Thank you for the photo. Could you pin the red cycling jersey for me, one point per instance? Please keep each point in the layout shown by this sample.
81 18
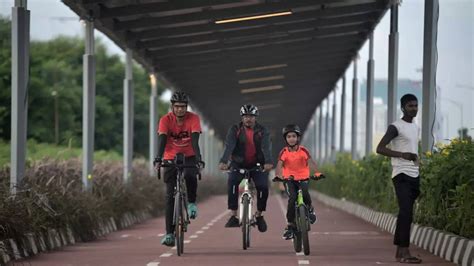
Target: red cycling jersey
179 136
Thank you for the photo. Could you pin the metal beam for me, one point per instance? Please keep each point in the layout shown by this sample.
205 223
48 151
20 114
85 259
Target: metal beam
327 135
393 64
20 53
128 117
213 88
262 32
215 46
153 122
231 78
327 14
162 8
370 98
429 73
88 105
320 135
211 16
224 60
343 115
333 130
355 106
243 59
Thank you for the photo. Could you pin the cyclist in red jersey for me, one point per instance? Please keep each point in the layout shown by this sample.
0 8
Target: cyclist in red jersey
178 132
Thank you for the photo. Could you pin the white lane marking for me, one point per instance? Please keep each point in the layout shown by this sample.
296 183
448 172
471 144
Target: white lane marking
153 263
173 247
303 262
282 207
199 232
187 241
210 224
166 255
299 254
193 236
205 227
124 236
161 234
347 233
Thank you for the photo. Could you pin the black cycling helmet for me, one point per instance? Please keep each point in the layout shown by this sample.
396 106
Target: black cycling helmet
179 96
291 128
248 109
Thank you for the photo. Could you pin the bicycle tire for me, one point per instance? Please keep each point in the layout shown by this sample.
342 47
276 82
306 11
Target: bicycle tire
297 235
183 223
179 225
303 215
245 222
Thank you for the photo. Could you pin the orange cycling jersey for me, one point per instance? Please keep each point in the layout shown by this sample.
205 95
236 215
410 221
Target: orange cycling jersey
295 163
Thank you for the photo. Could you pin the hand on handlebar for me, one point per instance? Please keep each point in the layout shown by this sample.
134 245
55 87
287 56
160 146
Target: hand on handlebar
267 167
277 179
201 164
157 163
318 176
223 166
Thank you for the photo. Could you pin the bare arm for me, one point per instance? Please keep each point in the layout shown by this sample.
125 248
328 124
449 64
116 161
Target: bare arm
279 168
312 165
382 149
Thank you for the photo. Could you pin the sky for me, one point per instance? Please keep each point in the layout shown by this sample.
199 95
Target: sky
455 74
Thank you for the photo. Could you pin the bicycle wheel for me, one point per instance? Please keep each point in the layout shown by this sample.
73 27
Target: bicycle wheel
178 224
183 225
303 216
297 233
245 222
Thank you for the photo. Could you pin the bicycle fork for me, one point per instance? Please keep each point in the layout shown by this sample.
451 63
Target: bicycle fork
241 207
299 203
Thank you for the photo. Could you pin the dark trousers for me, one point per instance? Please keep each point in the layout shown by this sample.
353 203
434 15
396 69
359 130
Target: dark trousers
407 190
292 190
260 180
190 178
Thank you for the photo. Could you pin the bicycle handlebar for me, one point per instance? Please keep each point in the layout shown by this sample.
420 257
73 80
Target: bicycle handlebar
257 168
291 178
168 164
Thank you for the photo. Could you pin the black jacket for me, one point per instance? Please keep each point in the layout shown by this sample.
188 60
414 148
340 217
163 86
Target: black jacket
234 147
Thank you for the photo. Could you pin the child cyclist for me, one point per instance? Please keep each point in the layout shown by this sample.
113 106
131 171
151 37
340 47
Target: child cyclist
295 161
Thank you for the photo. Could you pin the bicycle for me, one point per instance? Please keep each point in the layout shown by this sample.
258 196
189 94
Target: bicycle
180 213
246 201
303 225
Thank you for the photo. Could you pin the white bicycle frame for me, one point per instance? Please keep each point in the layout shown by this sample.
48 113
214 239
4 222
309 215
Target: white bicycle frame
249 193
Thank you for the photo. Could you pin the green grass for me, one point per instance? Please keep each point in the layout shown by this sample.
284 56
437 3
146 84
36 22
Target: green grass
37 151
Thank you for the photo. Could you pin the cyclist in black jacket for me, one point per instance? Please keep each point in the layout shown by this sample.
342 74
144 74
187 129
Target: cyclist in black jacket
247 144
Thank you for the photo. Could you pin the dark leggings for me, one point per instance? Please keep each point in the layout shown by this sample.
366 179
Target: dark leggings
292 190
191 188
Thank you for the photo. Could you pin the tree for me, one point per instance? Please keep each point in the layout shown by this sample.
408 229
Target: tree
56 68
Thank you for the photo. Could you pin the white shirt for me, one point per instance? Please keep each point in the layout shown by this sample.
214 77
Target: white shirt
406 141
